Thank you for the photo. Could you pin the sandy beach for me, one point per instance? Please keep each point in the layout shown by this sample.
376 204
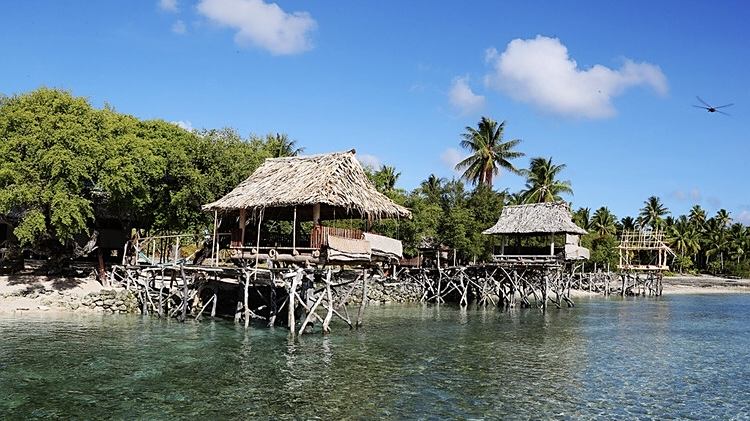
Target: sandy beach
704 284
35 293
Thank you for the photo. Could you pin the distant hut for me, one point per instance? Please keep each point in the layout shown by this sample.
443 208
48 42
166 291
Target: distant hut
312 190
534 233
644 250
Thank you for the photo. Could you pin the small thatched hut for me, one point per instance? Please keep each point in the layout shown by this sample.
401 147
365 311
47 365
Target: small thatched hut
314 188
535 224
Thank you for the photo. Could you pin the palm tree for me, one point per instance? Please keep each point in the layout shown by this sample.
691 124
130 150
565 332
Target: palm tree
432 188
387 178
582 218
488 152
652 212
738 241
684 237
723 218
715 239
697 216
627 223
279 145
604 222
542 184
512 199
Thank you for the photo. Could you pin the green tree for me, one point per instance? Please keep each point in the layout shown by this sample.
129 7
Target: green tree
542 184
604 222
488 152
280 145
652 214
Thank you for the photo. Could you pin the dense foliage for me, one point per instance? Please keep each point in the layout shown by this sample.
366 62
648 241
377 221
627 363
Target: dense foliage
69 169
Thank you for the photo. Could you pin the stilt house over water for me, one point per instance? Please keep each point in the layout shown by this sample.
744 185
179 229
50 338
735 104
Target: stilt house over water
297 196
538 233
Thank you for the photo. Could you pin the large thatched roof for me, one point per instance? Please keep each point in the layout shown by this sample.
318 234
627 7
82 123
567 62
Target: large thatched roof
536 218
336 181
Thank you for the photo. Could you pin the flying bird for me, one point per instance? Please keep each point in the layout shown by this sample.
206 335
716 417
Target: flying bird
710 108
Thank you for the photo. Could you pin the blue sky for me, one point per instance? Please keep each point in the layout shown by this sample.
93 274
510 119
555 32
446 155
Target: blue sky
604 87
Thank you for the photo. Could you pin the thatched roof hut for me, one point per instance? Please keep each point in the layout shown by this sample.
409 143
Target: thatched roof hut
335 184
535 219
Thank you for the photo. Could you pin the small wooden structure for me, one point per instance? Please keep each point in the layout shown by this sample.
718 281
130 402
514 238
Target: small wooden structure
275 245
643 261
306 190
539 241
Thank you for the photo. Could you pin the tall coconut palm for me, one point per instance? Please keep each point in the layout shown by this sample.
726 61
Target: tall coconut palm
432 188
604 222
738 242
387 177
627 223
652 213
513 199
684 237
723 218
697 216
582 218
542 184
488 152
280 145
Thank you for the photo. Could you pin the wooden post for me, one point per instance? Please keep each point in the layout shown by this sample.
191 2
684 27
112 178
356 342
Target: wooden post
243 224
327 321
294 232
184 293
215 245
622 293
247 304
316 214
292 301
552 245
363 304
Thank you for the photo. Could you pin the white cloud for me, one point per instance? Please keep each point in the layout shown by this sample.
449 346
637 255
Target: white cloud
744 217
693 194
168 5
262 24
463 98
451 157
184 124
539 71
179 27
368 160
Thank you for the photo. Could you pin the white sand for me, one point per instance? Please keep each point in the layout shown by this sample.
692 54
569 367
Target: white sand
13 301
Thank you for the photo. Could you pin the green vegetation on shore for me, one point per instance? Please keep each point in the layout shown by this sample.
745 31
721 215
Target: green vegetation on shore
69 169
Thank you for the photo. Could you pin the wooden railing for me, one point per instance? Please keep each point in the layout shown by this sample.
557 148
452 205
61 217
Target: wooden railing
319 235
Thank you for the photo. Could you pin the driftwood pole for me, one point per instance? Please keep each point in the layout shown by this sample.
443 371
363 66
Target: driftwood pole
184 293
247 304
363 304
327 321
215 244
292 301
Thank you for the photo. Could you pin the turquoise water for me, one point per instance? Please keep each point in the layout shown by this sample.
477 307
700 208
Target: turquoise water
674 357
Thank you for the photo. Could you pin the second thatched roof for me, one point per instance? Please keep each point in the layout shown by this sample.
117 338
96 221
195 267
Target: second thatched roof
333 180
535 218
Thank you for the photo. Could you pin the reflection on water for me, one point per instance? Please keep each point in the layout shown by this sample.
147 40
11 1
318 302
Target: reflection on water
682 357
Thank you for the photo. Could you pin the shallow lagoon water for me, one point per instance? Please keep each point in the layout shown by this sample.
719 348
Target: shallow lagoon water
673 357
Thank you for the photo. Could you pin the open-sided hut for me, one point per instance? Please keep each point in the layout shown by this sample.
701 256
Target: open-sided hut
308 189
535 227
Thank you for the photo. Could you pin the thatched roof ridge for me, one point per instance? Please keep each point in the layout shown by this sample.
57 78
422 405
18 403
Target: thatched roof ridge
536 218
333 179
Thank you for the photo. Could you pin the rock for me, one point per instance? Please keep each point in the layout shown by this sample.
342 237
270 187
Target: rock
43 308
108 302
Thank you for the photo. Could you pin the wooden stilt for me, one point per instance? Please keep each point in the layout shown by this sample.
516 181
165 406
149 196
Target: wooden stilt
363 304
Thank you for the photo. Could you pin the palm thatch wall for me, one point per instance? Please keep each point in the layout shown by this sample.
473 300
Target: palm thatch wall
336 181
535 219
